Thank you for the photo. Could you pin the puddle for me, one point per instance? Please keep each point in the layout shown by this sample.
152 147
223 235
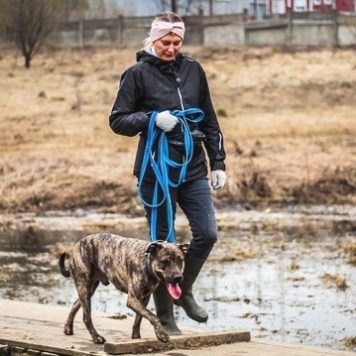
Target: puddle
282 275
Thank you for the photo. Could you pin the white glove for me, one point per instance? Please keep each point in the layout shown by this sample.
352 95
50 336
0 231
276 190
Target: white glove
166 121
218 179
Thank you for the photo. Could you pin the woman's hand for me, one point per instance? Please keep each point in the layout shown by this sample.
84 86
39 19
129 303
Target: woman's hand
218 179
166 121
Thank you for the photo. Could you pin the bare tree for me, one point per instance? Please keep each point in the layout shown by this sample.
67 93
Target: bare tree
30 22
182 7
211 11
174 6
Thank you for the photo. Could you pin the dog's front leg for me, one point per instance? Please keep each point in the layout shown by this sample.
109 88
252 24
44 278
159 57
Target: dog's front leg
136 330
141 310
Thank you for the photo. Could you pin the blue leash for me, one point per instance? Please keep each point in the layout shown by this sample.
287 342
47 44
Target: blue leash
157 155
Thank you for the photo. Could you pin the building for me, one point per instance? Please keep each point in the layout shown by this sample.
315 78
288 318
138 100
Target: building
281 6
255 9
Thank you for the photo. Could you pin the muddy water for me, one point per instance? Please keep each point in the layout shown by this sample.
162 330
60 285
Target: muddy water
282 274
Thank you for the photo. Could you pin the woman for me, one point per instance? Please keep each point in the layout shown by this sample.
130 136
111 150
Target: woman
164 86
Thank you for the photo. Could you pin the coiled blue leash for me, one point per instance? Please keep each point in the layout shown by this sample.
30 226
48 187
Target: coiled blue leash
157 155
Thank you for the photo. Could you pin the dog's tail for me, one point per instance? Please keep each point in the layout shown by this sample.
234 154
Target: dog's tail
62 267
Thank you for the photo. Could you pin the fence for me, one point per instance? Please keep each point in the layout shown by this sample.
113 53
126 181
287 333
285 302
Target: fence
293 28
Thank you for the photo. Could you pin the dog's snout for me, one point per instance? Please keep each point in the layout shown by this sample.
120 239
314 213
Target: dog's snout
177 278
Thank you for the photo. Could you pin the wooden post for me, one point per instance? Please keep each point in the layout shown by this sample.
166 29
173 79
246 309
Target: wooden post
202 30
243 27
335 29
81 33
120 29
290 26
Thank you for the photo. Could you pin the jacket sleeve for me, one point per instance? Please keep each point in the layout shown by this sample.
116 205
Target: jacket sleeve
214 142
126 118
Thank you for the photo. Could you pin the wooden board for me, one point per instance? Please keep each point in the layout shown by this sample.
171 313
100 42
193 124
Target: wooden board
40 327
178 342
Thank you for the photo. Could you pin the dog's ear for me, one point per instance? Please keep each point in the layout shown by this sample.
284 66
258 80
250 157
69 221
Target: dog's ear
184 248
153 247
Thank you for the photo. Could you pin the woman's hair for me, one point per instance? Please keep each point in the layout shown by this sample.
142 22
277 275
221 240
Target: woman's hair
162 17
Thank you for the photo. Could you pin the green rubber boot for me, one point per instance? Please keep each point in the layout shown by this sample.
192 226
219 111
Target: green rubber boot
164 310
187 301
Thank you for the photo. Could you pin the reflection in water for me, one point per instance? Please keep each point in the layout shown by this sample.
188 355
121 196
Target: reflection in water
266 275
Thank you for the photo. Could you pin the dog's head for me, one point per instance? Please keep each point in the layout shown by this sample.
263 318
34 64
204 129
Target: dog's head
167 264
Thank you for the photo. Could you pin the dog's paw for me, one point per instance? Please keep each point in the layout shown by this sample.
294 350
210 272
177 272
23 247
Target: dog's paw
99 340
68 330
162 335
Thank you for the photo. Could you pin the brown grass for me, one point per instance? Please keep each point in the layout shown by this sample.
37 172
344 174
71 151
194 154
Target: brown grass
334 280
350 342
288 120
350 251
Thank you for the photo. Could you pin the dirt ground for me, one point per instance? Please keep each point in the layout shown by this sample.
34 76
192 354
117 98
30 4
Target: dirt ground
288 117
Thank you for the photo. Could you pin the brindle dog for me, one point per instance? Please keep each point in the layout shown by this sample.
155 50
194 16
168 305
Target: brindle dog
132 266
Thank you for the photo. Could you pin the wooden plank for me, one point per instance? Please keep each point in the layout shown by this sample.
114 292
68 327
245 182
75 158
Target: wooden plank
59 350
40 327
179 342
272 348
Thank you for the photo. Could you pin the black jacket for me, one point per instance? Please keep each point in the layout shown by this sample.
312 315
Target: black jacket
154 85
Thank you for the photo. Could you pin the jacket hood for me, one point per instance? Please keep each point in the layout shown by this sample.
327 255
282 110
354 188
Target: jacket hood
145 56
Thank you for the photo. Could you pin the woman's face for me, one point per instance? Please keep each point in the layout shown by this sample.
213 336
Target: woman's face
167 47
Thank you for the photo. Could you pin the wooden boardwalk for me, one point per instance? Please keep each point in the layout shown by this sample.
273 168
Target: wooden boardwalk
39 328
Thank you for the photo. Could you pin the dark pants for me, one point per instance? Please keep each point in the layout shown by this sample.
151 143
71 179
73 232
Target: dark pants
196 201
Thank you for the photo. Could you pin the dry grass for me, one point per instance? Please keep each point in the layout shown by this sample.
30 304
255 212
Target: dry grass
350 251
288 120
334 280
238 254
350 342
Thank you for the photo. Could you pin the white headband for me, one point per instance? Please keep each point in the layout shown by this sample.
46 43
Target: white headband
161 28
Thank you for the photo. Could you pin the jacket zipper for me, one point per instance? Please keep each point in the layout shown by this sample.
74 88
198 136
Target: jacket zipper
179 95
178 80
180 98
